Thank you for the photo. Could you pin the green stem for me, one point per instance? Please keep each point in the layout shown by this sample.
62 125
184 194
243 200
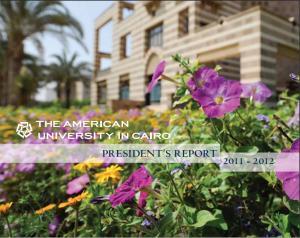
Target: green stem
284 134
274 225
278 119
169 79
216 131
287 98
176 189
223 136
240 116
8 226
189 177
226 127
188 129
60 228
91 184
76 220
148 217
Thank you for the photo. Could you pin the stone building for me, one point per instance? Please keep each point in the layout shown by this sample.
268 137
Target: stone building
252 41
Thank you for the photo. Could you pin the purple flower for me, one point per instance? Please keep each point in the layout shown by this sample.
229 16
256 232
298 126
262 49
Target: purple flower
122 195
219 97
295 77
64 166
294 121
257 91
54 225
187 164
146 222
174 171
289 179
3 166
91 114
77 184
25 167
159 70
132 113
5 175
262 117
137 181
201 77
99 199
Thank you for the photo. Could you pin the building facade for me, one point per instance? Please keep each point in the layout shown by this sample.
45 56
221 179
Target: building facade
248 39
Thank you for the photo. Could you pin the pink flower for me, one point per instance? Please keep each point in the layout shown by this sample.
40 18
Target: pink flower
257 91
142 202
137 181
77 184
289 179
219 97
159 70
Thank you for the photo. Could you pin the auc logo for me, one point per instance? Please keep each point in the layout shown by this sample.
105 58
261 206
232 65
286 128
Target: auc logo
24 129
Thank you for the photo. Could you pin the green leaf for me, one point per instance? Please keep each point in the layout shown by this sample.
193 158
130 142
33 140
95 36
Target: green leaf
270 178
284 222
166 222
203 217
190 214
293 206
294 219
134 222
247 149
219 222
182 100
218 68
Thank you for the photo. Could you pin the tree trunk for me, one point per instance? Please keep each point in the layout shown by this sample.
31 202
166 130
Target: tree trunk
68 94
15 57
3 85
2 90
58 92
23 97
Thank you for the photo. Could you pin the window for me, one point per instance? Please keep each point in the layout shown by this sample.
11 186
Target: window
124 87
261 3
125 49
126 9
153 7
105 37
105 64
126 12
101 92
203 23
155 36
154 96
183 23
209 11
104 46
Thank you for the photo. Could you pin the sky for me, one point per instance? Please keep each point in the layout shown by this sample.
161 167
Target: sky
85 12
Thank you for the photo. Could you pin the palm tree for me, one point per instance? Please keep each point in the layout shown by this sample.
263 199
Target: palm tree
3 67
65 72
22 20
32 76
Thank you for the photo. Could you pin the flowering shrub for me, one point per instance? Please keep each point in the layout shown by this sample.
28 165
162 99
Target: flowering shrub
96 198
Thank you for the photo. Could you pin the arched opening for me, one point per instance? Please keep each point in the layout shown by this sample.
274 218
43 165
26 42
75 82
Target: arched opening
155 95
